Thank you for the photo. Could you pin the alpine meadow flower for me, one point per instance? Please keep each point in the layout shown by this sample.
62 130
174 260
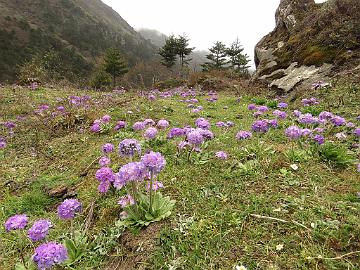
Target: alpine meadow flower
105 174
149 122
176 132
138 126
154 162
155 186
202 123
107 148
195 137
338 120
106 119
50 254
282 105
163 124
242 135
150 133
16 222
39 230
293 132
68 209
104 161
356 133
260 126
120 125
221 155
96 128
131 172
126 200
129 147
319 139
2 143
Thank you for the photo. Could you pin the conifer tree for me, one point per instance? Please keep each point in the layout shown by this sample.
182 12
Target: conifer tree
238 60
168 52
114 64
183 49
217 57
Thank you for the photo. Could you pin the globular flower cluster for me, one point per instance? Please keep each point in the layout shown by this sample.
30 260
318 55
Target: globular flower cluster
242 135
126 200
149 122
150 133
309 101
261 126
137 126
105 176
154 162
155 186
50 254
163 124
221 155
129 147
107 148
282 105
69 208
104 161
2 143
280 114
39 230
131 172
120 125
202 123
293 132
16 222
176 132
195 137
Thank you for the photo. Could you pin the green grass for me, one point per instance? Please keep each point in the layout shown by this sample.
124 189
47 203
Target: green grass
213 226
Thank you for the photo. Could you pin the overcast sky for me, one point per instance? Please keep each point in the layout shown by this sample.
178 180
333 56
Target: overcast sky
204 22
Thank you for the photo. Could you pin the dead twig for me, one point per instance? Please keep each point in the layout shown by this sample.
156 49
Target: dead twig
280 220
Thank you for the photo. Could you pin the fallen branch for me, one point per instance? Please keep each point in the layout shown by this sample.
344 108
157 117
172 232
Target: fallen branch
342 256
280 220
86 170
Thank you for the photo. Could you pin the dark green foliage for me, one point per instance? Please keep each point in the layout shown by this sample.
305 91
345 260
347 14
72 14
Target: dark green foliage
100 79
336 155
217 57
168 52
115 64
238 60
183 50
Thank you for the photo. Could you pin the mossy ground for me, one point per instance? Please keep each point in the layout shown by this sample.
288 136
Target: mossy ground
213 225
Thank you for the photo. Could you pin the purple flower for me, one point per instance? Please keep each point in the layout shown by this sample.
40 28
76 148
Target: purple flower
131 172
105 174
149 122
297 113
207 134
338 120
60 108
319 138
356 132
106 119
221 124
95 128
358 169
126 201
309 101
108 148
282 105
272 123
2 143
120 125
293 132
195 110
260 126
280 114
129 147
17 222
262 108
202 123
49 254
176 132
163 124
195 137
242 135
104 161
221 155
154 162
155 186
104 186
139 126
318 130
251 107
39 230
68 208
325 115
305 132
150 133
181 145
10 125
307 119
229 124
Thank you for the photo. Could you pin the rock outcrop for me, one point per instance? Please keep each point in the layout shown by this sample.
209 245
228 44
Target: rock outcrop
310 42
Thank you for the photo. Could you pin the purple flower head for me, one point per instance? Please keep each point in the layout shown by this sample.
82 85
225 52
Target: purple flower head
129 147
297 113
229 124
195 110
104 161
150 133
221 124
305 132
149 122
10 124
319 138
17 222
357 132
272 123
350 125
221 155
325 115
126 200
163 124
104 186
68 208
120 125
251 107
260 126
106 119
181 145
39 230
2 143
202 123
155 186
262 108
138 126
107 148
319 130
176 132
358 169
49 254
257 114
195 137
307 119
282 105
96 128
309 101
154 162
338 120
151 97
280 114
105 174
207 134
293 132
242 135
60 108
131 172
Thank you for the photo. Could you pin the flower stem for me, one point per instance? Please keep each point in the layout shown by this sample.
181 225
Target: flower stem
151 190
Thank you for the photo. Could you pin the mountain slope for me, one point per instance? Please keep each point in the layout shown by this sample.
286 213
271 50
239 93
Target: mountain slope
76 31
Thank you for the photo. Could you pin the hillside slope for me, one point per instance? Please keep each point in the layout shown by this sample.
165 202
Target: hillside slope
78 31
